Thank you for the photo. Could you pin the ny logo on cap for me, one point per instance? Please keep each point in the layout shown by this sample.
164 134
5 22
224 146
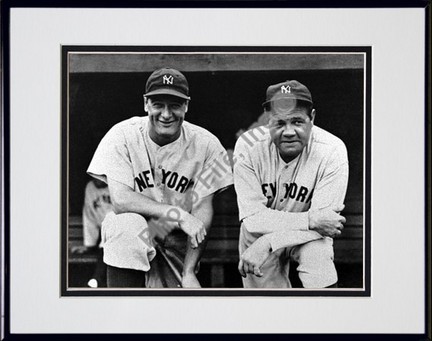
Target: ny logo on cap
168 79
285 89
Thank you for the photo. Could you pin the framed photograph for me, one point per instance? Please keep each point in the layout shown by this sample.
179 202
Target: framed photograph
96 79
289 142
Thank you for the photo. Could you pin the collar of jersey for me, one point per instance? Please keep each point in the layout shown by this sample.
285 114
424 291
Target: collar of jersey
283 164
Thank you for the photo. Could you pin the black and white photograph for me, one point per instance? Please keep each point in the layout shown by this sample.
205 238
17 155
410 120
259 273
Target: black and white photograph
222 171
176 169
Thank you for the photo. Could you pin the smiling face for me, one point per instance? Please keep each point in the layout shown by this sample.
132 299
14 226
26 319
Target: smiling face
166 115
290 128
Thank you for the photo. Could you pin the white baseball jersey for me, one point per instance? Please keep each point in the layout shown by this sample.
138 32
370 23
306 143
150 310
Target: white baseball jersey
97 204
180 173
274 196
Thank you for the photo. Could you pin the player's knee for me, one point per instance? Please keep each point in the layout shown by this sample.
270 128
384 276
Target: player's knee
126 224
126 241
315 251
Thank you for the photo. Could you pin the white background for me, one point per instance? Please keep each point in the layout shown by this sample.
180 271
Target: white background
397 39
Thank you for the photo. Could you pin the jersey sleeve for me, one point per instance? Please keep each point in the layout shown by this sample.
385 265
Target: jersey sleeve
253 211
91 228
330 191
331 188
112 159
216 174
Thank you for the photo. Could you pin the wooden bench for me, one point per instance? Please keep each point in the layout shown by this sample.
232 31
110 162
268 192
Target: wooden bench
222 247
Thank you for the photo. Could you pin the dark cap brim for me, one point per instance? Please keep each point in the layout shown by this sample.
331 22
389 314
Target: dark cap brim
278 99
167 92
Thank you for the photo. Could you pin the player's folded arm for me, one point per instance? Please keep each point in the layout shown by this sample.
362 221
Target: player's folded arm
329 192
125 199
269 221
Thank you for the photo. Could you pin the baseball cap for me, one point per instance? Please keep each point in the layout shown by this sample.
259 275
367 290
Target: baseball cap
290 89
167 81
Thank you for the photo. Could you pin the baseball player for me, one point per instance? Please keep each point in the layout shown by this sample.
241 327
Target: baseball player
291 178
162 173
97 204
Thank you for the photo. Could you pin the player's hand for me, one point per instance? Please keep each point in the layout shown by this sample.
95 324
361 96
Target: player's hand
189 280
254 257
193 227
327 221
